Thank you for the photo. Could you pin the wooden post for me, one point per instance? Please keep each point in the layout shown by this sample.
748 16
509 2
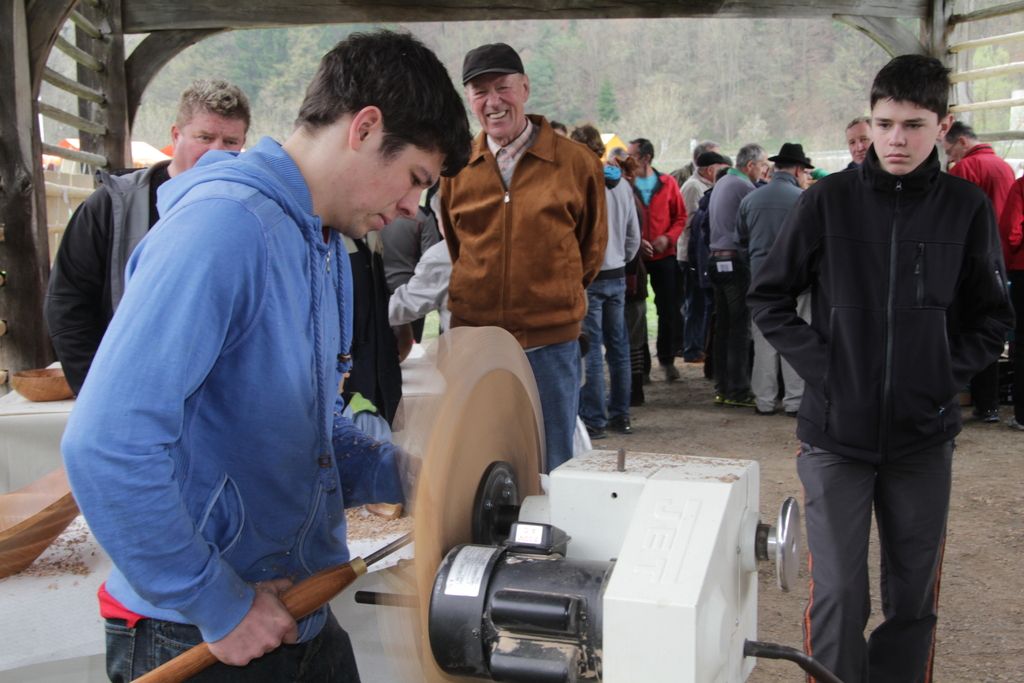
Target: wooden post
24 250
113 112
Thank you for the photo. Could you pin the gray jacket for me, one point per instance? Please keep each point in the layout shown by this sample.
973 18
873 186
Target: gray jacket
623 226
722 210
129 197
761 215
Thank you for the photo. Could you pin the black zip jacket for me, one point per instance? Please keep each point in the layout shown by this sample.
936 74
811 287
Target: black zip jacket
908 302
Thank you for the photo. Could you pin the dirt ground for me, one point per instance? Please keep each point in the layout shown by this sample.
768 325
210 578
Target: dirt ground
981 605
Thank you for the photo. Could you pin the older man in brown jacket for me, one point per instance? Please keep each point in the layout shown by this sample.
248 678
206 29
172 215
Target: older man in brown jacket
526 227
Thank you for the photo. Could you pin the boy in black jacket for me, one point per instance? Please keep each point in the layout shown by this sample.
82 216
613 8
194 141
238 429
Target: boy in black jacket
909 301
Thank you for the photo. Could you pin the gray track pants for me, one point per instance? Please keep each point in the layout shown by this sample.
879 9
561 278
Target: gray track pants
910 496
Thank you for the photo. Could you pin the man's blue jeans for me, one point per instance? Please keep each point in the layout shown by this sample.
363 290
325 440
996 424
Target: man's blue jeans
556 369
327 658
606 322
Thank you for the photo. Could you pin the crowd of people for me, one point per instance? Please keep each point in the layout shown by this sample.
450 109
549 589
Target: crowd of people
860 306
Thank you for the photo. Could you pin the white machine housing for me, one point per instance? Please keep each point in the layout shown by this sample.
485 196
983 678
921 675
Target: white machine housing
682 598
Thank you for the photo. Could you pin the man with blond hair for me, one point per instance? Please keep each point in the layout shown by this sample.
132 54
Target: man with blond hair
87 280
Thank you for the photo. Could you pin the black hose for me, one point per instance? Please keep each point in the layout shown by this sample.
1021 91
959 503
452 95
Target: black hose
754 648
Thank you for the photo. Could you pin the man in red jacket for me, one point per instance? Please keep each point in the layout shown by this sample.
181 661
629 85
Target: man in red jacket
662 219
977 162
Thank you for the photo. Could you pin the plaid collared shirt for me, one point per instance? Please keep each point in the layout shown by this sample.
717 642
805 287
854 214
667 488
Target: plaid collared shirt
509 155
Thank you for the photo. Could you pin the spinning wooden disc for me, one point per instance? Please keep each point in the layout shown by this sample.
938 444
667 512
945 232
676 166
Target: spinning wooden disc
489 412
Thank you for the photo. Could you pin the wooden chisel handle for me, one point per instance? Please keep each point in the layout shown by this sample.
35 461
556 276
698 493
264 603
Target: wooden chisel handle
302 599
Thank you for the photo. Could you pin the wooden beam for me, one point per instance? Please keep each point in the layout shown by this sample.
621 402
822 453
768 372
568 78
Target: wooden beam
988 104
885 31
76 155
988 13
77 122
83 22
988 72
144 16
45 19
1001 135
59 80
24 250
76 53
935 33
114 142
1015 37
150 56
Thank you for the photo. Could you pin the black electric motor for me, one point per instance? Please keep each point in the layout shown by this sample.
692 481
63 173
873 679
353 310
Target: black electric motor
520 611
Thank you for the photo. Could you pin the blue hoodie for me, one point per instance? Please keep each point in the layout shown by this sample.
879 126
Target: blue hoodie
205 449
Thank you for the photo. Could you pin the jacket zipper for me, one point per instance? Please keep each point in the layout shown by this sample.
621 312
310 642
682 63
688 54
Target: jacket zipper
828 370
326 482
919 273
507 240
327 479
890 316
1003 294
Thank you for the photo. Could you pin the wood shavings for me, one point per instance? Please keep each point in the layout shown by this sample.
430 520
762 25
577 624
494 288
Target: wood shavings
364 525
66 555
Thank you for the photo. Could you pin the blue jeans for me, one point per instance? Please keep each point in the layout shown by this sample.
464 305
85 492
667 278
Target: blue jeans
606 322
327 658
556 369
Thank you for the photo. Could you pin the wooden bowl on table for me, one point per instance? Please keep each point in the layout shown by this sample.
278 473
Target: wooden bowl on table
31 518
43 384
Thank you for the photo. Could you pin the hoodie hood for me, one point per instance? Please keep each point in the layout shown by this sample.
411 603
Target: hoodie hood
269 169
266 168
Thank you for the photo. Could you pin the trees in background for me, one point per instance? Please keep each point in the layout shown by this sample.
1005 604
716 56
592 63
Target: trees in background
670 80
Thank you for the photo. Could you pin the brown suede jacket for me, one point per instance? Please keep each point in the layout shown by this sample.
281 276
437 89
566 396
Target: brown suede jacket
522 258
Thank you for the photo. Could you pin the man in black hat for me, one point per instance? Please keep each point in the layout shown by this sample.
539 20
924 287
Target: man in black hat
526 226
758 223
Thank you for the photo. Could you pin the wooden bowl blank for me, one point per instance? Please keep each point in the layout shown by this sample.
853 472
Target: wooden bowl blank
44 384
31 518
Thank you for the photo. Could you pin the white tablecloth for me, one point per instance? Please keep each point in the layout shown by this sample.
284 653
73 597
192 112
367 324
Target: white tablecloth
29 439
50 628
51 631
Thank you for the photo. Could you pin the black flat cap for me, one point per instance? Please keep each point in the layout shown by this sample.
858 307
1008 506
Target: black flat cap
494 58
710 159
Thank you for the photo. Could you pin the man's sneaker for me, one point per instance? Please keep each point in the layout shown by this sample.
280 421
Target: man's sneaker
987 416
745 402
792 413
671 374
719 400
620 424
596 433
766 413
1013 424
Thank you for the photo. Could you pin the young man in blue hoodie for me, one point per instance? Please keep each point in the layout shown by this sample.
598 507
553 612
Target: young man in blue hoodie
205 449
